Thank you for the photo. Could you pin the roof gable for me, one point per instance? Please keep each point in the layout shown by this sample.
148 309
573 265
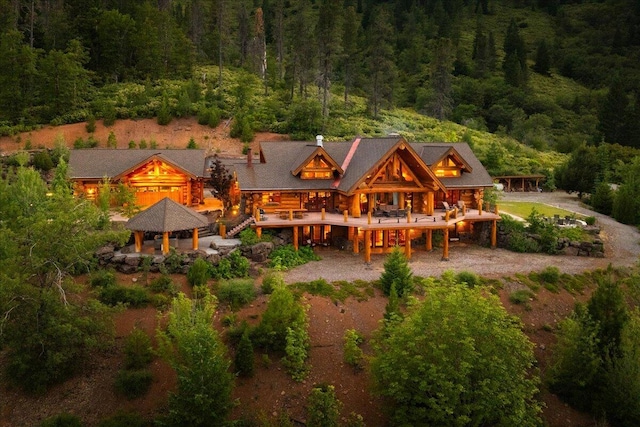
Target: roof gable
154 164
454 157
400 163
320 156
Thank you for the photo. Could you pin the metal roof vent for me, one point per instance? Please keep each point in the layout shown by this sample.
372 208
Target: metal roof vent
319 139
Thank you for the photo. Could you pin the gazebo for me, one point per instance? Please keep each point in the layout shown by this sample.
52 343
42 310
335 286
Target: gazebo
164 217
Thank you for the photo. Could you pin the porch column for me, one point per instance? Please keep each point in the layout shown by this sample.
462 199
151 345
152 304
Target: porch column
295 237
138 239
401 200
429 246
195 239
189 198
322 214
445 245
372 201
355 206
407 243
494 233
356 241
367 246
385 239
430 203
165 243
259 232
350 233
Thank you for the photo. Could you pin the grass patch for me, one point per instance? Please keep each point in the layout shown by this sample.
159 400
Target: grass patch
523 209
522 296
338 290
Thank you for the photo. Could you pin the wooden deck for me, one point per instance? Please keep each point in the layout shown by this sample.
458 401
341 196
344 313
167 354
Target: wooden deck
415 221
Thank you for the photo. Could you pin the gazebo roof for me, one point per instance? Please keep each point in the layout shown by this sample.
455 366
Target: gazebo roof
167 215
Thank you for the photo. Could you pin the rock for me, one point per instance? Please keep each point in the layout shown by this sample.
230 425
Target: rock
126 250
132 260
214 259
127 269
118 259
260 251
105 250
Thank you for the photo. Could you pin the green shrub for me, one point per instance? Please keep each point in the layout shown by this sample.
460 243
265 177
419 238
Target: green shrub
471 279
42 161
244 360
133 383
191 145
590 220
353 354
222 270
91 124
132 144
102 278
270 281
134 296
296 352
324 407
550 275
62 420
173 261
163 283
239 264
138 352
283 311
142 144
248 237
236 292
123 419
198 273
396 271
521 296
286 257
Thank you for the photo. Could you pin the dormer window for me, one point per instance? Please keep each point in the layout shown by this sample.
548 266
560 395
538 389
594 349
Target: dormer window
447 168
317 168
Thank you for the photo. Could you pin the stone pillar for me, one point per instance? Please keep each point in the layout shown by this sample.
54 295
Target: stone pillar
445 245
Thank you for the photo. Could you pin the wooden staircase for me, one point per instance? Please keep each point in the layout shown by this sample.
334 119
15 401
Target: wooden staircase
238 228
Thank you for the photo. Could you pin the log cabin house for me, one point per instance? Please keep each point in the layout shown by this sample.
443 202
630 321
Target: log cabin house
374 193
153 174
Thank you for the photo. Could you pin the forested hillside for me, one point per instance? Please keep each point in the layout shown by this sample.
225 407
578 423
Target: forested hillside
554 75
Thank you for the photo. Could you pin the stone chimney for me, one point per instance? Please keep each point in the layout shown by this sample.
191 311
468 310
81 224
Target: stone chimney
319 139
249 157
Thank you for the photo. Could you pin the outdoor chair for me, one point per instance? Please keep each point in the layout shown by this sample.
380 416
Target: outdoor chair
446 206
460 204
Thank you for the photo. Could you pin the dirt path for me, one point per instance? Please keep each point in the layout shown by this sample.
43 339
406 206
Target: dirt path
622 248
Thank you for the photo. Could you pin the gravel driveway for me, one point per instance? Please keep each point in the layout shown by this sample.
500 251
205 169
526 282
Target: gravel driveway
622 248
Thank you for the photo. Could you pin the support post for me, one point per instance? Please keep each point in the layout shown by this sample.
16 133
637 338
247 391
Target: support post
346 215
480 202
223 230
429 246
356 242
290 214
445 245
138 238
407 243
367 246
259 232
369 217
350 232
194 243
494 234
165 243
295 238
322 214
408 216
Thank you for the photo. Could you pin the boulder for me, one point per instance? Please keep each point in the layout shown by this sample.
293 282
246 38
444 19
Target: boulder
260 251
127 269
132 260
105 250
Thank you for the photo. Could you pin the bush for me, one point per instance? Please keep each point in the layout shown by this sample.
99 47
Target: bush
550 275
324 407
353 354
42 161
137 350
283 311
222 270
103 278
270 281
471 279
123 419
248 237
62 420
163 284
191 145
244 360
198 273
236 292
286 257
239 264
91 123
134 296
590 220
521 296
296 352
133 383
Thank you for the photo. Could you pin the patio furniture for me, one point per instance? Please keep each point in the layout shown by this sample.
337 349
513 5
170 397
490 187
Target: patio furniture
446 206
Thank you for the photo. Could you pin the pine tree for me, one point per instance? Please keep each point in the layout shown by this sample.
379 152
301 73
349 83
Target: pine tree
380 64
480 52
441 74
350 30
613 111
397 273
543 59
515 60
328 37
244 360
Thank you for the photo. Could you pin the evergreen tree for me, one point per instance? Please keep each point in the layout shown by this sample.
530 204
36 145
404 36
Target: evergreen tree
612 112
396 272
328 36
350 61
380 65
244 362
17 76
480 52
543 59
441 68
515 59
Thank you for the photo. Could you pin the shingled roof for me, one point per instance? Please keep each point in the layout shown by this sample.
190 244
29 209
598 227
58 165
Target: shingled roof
167 215
279 156
98 163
